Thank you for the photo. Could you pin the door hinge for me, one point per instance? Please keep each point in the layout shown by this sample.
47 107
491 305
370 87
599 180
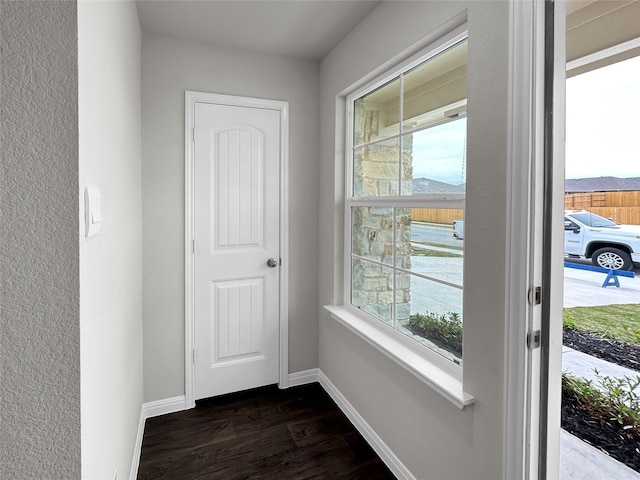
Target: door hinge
535 295
193 135
193 245
195 356
533 339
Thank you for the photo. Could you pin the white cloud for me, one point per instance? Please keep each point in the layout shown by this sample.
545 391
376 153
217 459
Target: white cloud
438 152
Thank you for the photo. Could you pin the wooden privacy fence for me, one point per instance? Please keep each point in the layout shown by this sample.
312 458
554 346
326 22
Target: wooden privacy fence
622 207
437 215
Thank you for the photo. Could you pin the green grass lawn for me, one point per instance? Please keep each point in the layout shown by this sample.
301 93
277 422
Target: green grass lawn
613 322
432 244
428 252
432 253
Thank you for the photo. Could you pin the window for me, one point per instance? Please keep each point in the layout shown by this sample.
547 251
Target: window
405 191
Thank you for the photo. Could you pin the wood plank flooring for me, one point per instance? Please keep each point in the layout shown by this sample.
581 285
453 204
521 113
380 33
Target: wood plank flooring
267 433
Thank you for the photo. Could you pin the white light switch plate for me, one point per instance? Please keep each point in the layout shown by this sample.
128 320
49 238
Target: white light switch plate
92 211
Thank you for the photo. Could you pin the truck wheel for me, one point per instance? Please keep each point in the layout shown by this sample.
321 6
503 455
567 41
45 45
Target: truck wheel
612 258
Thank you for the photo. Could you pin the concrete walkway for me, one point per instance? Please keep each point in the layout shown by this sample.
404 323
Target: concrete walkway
424 246
579 460
582 365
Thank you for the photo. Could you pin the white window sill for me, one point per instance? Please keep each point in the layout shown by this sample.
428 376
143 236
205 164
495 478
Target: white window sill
435 377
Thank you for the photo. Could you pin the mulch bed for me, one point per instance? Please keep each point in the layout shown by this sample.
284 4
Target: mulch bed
624 354
593 426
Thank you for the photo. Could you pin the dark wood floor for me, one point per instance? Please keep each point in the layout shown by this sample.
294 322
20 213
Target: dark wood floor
298 433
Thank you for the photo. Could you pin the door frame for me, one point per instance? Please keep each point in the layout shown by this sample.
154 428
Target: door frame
191 98
525 109
532 421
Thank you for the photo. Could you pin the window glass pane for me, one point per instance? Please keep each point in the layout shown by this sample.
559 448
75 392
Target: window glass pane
372 233
372 289
437 160
436 89
431 315
436 248
377 114
376 170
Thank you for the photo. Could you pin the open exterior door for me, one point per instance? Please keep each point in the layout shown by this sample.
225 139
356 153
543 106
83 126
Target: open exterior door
553 240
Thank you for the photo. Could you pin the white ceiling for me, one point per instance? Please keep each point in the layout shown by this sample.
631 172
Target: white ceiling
306 29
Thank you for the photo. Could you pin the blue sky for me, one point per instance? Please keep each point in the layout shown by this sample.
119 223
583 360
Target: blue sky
603 122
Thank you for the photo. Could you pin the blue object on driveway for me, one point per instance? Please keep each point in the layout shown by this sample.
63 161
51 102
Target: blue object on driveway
612 275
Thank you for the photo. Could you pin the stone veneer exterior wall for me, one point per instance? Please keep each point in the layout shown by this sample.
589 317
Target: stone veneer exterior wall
376 174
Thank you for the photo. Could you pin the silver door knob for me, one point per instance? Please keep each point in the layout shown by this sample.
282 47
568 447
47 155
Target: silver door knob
272 262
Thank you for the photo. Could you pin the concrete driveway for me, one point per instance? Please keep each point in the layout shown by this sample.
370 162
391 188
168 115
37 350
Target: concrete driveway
584 289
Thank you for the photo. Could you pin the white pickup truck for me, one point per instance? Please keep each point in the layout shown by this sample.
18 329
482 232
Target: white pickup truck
587 235
607 244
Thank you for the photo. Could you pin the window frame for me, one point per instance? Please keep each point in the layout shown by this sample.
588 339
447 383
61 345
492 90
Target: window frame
396 341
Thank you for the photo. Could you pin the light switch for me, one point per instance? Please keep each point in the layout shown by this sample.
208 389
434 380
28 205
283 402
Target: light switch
92 211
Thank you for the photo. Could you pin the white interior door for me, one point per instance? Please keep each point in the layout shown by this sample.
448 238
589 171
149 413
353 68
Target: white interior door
236 264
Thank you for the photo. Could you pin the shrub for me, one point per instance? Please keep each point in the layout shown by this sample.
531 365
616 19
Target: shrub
610 399
445 330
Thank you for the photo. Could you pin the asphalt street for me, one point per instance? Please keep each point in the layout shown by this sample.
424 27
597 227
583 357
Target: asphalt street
429 233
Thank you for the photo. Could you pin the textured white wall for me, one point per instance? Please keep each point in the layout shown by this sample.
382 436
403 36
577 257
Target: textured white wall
109 62
430 435
40 336
169 68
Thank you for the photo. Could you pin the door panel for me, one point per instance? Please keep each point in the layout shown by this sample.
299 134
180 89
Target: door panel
236 227
239 169
238 332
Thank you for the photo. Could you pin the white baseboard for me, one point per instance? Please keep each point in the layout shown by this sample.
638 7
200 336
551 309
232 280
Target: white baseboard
153 409
162 407
304 377
137 448
383 451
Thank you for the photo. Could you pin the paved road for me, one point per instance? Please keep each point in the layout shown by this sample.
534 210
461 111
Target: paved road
426 232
